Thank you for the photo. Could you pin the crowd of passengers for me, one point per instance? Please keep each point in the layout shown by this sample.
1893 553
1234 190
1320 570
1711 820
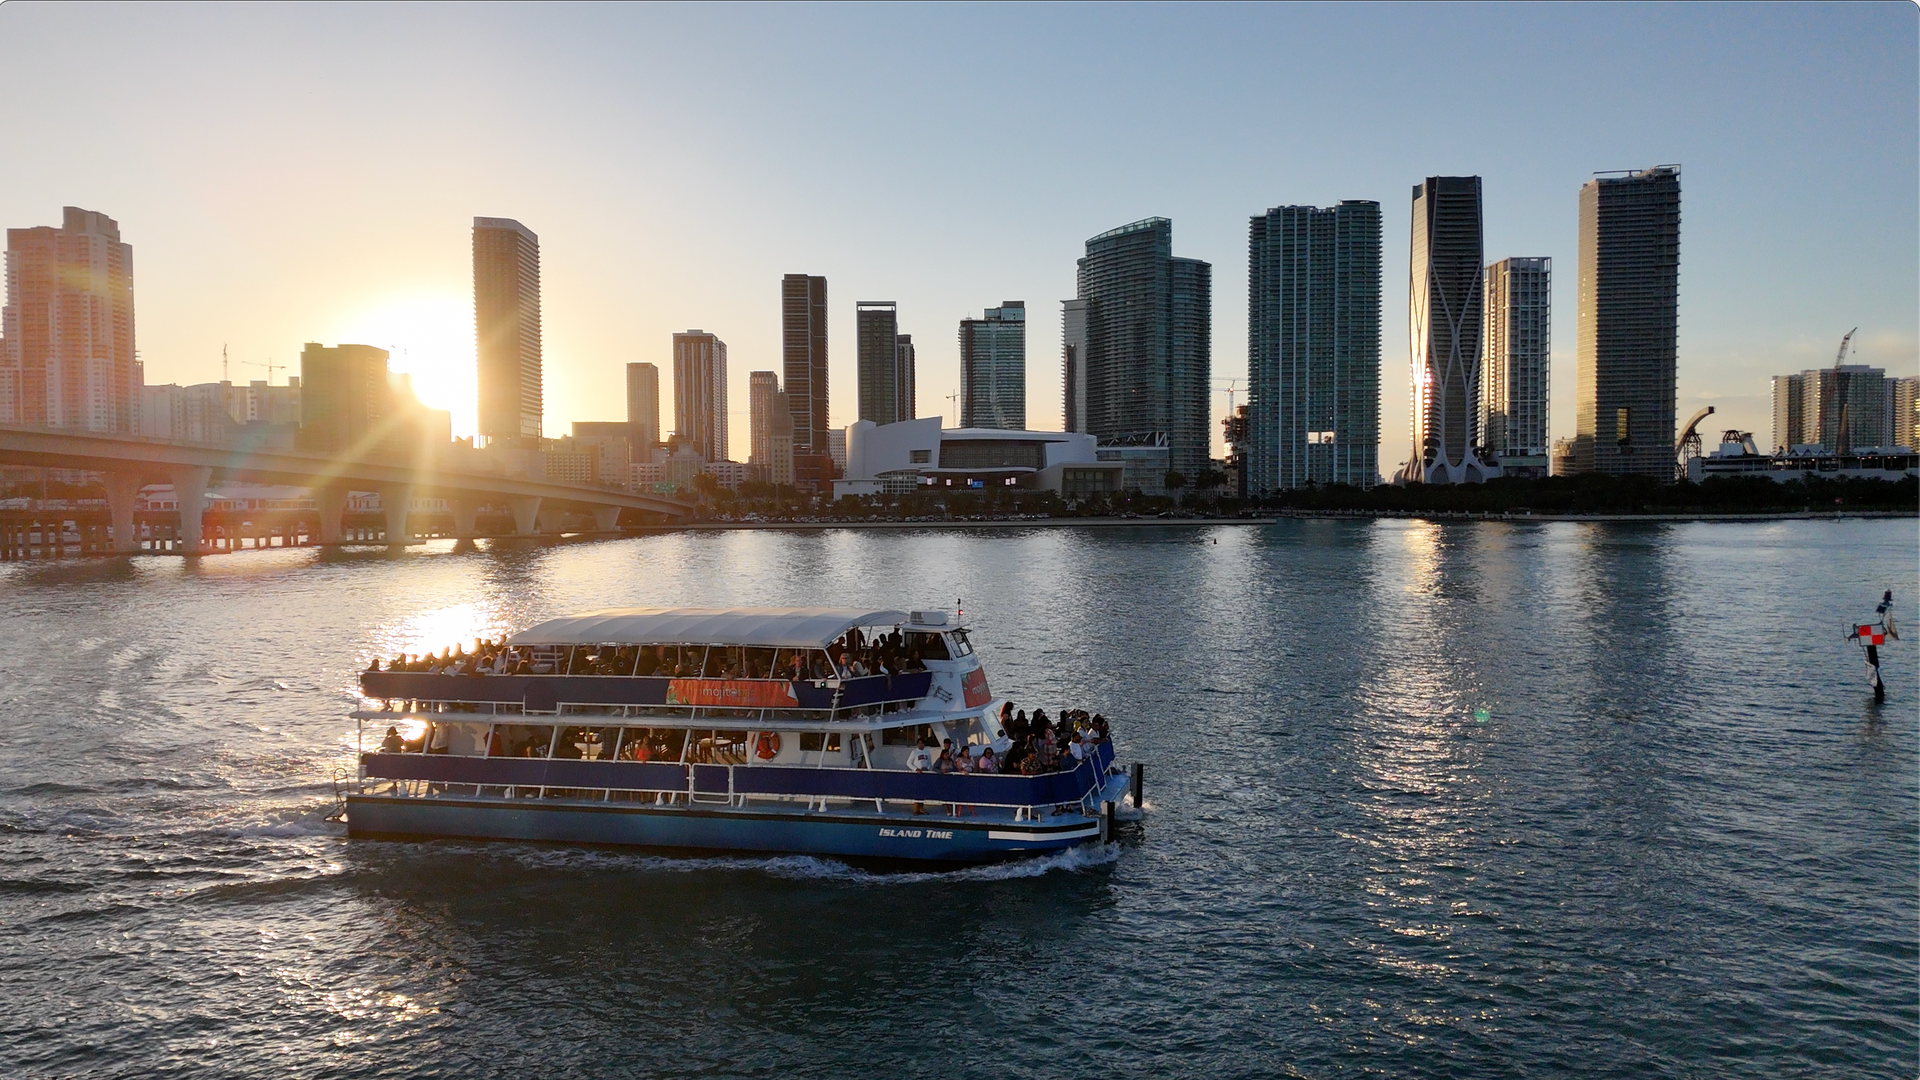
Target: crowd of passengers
1039 745
853 655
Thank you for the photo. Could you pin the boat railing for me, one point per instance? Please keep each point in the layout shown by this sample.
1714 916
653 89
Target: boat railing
554 694
431 775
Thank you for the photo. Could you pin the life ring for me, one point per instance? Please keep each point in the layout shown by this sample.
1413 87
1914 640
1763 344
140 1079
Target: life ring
767 746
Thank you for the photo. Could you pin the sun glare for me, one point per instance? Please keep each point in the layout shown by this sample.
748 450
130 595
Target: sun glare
431 339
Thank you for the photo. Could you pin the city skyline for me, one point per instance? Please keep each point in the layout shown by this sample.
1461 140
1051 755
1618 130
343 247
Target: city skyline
265 265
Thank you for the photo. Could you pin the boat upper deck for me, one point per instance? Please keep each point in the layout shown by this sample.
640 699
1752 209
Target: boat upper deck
774 664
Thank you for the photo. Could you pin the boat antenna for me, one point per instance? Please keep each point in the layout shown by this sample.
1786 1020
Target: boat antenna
959 610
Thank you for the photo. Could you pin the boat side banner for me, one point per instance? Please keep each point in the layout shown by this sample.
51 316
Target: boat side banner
974 685
732 693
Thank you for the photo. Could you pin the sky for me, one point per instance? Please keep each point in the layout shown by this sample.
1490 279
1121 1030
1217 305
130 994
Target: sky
310 173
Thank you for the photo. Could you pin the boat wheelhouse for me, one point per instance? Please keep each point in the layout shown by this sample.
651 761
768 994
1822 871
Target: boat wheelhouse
754 729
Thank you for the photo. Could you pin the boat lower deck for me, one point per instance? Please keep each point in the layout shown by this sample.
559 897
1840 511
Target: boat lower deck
943 833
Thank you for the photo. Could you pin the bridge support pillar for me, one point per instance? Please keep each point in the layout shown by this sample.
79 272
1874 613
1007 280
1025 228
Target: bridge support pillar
331 504
190 490
122 489
526 514
466 516
394 504
606 518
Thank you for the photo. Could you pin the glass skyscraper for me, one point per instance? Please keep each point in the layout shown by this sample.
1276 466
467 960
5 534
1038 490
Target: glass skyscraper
1627 337
1073 364
506 318
1313 346
1149 344
1445 310
993 368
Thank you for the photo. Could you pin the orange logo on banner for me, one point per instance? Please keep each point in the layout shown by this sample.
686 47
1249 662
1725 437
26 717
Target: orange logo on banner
732 693
974 685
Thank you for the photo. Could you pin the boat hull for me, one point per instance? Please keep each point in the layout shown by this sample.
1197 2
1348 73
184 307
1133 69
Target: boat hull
930 838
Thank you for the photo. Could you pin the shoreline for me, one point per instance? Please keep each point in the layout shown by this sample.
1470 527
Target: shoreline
1441 517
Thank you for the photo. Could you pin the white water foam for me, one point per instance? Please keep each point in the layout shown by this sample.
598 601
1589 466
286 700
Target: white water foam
809 867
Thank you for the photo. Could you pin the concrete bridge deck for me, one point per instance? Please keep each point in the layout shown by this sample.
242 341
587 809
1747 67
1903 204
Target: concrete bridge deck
126 464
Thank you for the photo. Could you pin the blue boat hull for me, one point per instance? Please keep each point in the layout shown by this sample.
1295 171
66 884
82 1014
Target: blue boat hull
930 838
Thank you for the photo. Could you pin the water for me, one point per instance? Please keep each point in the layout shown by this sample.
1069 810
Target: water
1682 841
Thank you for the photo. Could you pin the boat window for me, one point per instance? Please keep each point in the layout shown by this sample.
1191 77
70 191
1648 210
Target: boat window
907 736
759 664
961 646
520 740
927 646
811 741
548 659
721 748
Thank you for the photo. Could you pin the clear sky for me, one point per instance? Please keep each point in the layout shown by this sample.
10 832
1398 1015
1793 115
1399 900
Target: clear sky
288 174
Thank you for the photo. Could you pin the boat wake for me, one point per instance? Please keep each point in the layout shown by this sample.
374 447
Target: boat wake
815 868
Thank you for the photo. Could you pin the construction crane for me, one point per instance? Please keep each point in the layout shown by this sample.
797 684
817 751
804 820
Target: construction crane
269 365
1231 388
1841 356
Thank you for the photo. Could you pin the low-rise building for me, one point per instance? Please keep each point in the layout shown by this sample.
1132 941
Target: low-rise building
914 454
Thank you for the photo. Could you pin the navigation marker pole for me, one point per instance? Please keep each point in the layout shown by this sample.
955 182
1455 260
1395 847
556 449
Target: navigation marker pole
1870 636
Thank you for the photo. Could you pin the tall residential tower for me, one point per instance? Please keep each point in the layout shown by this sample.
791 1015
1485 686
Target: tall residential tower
993 368
1627 335
643 411
68 355
1073 364
803 355
1313 347
1444 314
1149 344
700 393
885 362
1513 373
506 319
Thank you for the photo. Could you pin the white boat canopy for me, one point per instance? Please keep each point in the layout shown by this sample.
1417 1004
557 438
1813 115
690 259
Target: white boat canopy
779 628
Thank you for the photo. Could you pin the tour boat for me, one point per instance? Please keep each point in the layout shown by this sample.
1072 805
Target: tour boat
739 729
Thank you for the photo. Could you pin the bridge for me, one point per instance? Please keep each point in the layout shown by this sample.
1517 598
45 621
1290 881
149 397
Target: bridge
126 464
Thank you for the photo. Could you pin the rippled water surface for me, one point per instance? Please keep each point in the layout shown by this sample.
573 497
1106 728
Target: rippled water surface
1683 841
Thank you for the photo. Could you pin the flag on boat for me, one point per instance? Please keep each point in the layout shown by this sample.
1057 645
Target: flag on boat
1870 635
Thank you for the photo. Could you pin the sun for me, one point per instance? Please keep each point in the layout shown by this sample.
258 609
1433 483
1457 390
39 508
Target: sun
429 337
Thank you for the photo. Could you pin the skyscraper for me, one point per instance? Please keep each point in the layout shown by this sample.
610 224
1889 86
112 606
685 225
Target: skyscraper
1313 346
1073 365
1627 335
1788 422
1514 372
700 393
506 318
886 375
763 390
68 321
993 368
909 407
346 401
1840 408
1902 414
803 355
1149 343
1445 308
643 410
